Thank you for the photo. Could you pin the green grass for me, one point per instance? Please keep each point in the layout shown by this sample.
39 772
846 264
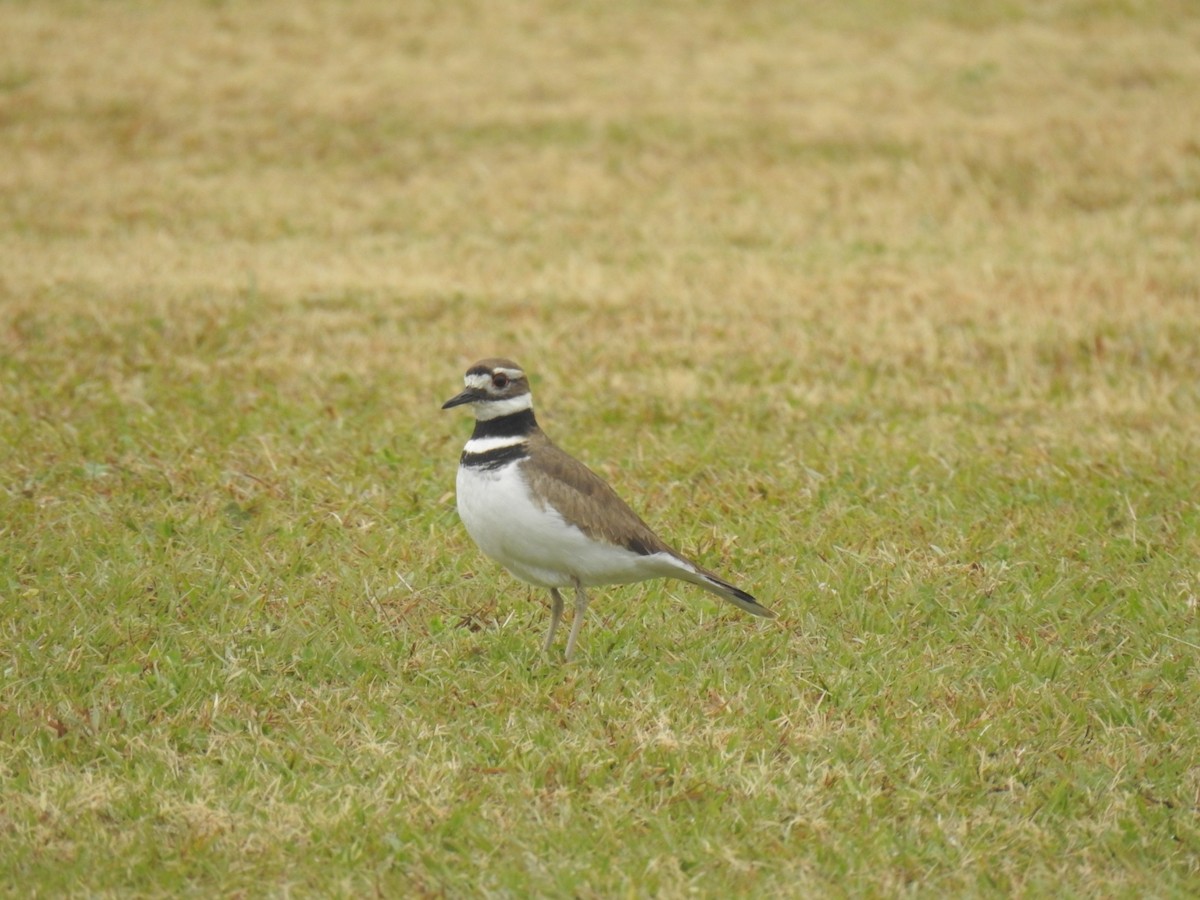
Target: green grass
889 314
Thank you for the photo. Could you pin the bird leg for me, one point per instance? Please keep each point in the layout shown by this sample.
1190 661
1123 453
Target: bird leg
556 609
581 602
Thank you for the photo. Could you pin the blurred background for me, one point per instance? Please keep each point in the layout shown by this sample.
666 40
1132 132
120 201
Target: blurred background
889 311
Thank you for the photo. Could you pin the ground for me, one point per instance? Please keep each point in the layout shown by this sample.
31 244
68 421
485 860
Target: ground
887 312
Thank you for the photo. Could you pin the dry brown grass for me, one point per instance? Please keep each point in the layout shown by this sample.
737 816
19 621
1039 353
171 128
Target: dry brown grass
894 191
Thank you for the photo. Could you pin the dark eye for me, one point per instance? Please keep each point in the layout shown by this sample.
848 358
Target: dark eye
500 380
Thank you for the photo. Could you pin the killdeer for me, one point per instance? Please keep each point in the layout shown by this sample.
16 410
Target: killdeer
548 518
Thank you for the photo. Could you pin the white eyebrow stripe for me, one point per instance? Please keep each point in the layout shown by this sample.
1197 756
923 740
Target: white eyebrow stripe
483 445
514 374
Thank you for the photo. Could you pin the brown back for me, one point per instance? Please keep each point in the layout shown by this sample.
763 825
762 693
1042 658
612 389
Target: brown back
583 497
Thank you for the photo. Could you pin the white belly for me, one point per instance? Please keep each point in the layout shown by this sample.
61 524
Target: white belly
535 543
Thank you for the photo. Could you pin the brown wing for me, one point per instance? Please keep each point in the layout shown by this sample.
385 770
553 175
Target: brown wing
583 497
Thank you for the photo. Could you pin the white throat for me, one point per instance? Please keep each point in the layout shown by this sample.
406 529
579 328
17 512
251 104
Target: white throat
494 409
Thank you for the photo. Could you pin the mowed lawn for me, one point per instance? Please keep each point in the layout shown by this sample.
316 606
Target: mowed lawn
888 312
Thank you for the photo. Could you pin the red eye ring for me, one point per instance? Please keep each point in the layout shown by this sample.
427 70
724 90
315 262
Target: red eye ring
500 380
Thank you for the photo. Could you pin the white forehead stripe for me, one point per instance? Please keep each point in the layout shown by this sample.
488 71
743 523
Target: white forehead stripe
483 445
483 379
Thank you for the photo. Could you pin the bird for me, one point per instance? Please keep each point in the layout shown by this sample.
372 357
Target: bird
546 517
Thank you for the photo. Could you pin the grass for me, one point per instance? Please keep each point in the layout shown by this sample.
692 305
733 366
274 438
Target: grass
888 312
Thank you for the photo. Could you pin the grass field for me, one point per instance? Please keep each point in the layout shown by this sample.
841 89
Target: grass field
889 312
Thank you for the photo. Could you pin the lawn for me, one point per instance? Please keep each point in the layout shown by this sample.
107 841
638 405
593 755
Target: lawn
887 312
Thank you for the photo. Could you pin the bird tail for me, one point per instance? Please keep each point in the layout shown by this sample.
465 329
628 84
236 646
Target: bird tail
727 591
